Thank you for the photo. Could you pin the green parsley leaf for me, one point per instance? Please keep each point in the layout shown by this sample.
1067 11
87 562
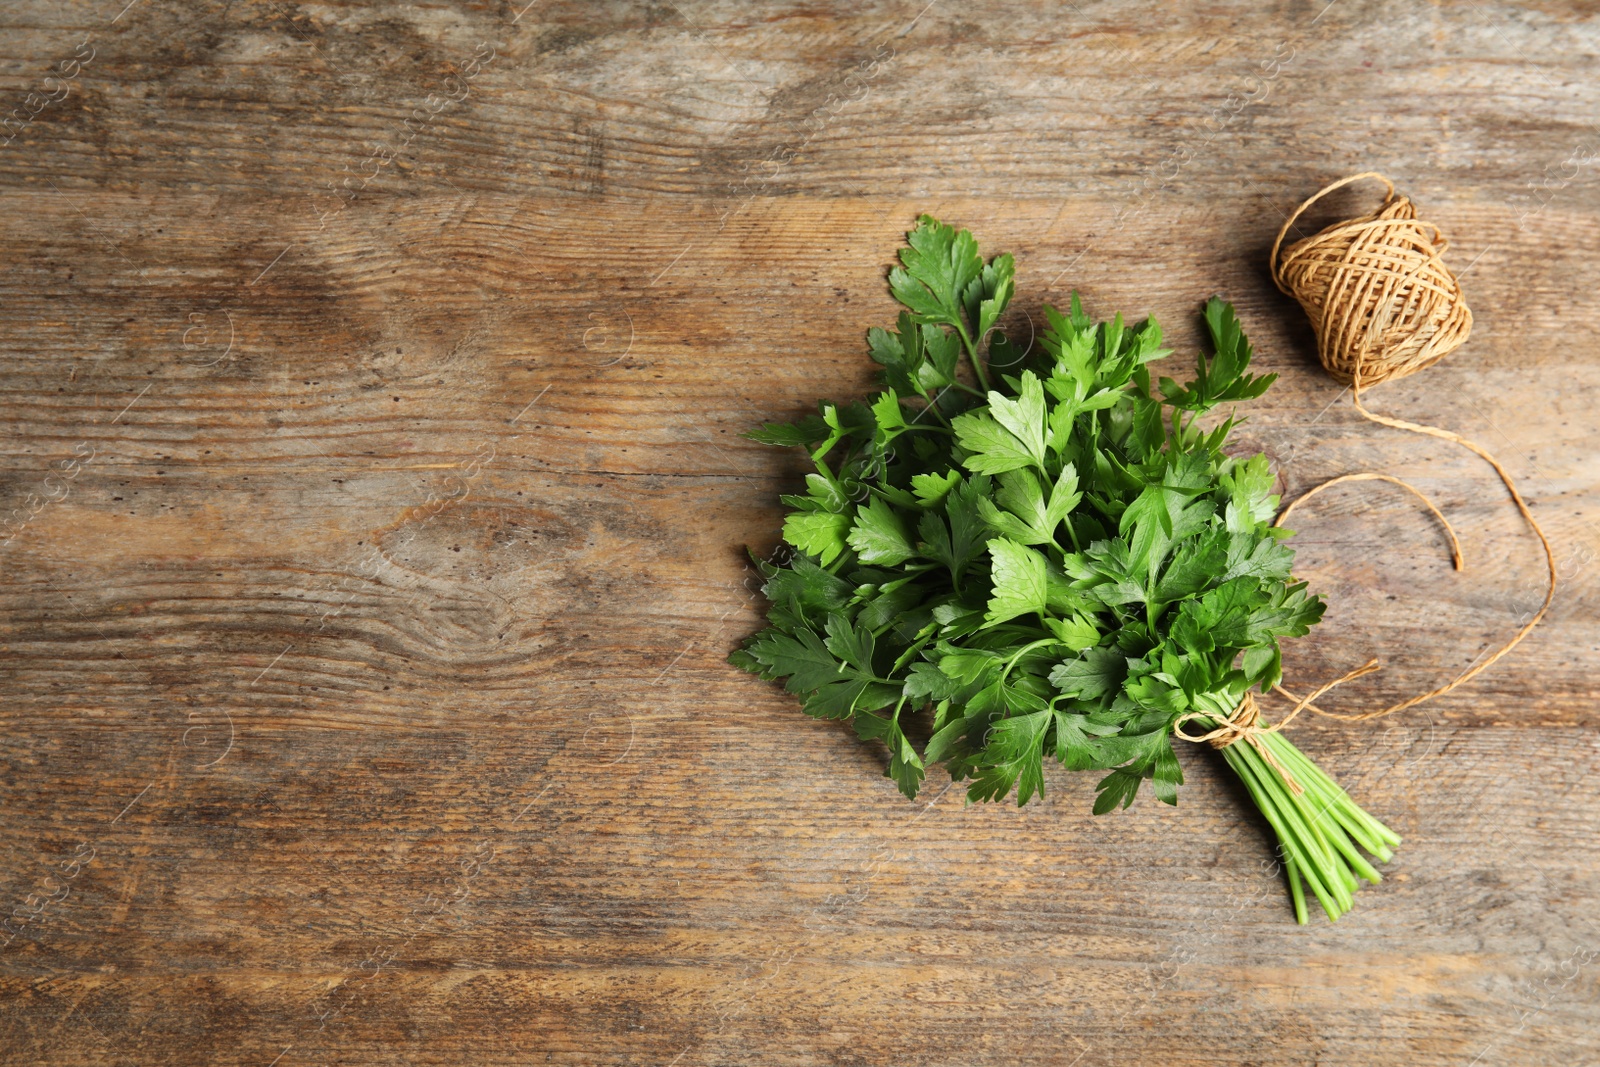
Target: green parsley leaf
931 489
879 536
820 533
939 266
1018 574
993 448
800 656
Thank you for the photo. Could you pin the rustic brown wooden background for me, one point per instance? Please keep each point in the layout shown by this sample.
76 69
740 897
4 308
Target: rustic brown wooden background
372 377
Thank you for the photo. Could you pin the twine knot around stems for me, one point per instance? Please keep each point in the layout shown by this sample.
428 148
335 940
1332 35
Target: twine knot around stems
1243 722
1321 832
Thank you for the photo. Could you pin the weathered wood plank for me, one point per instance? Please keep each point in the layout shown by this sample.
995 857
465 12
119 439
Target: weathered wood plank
366 690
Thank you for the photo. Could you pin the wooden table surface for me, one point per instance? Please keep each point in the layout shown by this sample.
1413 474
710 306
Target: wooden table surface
372 383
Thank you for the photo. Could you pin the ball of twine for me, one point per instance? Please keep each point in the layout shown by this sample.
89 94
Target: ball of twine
1384 305
1376 289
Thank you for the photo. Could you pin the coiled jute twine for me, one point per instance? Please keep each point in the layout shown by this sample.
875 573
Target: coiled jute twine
1383 305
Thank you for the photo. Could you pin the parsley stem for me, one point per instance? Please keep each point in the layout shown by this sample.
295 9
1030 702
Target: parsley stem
1072 533
922 638
1287 841
1305 821
933 406
1297 891
1360 866
1366 831
1321 831
972 356
1303 832
1023 651
1308 773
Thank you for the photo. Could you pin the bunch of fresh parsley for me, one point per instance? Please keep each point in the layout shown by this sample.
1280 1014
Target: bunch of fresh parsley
1051 558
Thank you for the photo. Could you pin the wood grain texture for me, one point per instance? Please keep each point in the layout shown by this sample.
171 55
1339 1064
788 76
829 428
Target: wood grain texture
371 379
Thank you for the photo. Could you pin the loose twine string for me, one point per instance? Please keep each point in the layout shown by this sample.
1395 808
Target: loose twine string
1383 305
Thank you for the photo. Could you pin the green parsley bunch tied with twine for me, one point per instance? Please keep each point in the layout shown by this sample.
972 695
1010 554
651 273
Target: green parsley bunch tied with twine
1049 556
